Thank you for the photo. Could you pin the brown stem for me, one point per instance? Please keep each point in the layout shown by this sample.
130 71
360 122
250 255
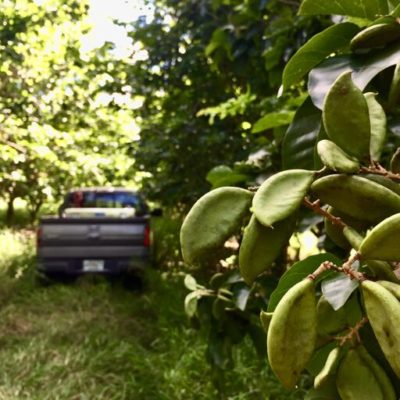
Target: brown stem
316 207
377 169
350 272
325 266
353 332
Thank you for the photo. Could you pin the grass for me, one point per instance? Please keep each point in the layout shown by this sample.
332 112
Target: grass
95 340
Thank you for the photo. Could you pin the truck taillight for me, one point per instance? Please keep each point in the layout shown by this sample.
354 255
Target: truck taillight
39 233
147 236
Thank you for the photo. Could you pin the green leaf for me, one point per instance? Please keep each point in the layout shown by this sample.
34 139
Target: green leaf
370 9
190 283
191 301
273 120
299 140
297 272
394 93
364 68
223 175
317 49
346 118
281 195
337 290
377 119
318 359
219 39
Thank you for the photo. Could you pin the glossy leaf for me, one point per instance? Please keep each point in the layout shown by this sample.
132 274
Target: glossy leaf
338 290
299 140
316 49
281 195
346 119
369 9
364 68
297 272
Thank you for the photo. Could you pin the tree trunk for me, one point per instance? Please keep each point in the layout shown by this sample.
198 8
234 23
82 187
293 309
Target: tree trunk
10 211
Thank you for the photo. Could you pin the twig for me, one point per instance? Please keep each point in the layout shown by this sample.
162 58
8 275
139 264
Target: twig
325 266
316 207
353 332
377 169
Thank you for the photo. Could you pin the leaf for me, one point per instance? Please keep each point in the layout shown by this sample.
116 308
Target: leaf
377 119
395 162
394 93
223 175
241 295
338 290
219 39
297 272
299 141
317 49
364 68
376 35
369 9
346 118
190 282
191 301
273 120
281 194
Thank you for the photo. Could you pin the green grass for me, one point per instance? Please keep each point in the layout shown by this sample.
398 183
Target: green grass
96 340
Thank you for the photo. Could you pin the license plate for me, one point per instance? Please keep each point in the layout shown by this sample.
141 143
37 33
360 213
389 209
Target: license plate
93 265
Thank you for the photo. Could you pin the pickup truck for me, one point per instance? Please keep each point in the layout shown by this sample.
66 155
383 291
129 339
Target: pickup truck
98 230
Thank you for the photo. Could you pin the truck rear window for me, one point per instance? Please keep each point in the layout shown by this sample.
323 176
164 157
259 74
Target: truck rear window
100 199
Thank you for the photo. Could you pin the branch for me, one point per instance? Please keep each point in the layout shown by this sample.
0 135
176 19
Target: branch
353 332
377 169
316 207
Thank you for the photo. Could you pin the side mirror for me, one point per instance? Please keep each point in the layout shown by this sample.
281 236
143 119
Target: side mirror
157 212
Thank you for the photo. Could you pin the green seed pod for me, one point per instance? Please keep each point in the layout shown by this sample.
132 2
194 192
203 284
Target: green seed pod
383 312
213 219
378 269
346 118
337 232
281 195
380 374
329 321
261 245
382 243
329 369
355 380
386 182
381 270
377 119
394 92
357 197
376 36
333 157
393 288
292 332
265 318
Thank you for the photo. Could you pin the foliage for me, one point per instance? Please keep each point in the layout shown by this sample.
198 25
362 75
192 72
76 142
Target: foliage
339 136
60 125
208 70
